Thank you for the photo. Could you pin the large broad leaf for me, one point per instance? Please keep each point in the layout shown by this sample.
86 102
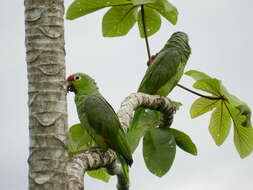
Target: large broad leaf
142 2
117 21
159 149
184 142
100 174
149 120
201 106
166 9
197 75
83 7
212 86
152 21
243 136
78 139
220 123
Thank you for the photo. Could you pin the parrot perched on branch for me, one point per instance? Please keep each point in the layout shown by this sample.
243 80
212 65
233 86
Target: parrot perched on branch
99 119
165 70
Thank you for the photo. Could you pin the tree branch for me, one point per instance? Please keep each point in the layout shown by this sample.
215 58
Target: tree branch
89 160
154 102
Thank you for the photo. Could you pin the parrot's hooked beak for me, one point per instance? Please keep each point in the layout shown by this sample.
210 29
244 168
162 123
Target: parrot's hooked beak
71 88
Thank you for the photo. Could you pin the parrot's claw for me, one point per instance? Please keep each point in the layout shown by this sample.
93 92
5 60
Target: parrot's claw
97 150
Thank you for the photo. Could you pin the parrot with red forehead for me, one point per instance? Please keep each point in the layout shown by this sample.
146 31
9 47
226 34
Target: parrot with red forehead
165 70
99 119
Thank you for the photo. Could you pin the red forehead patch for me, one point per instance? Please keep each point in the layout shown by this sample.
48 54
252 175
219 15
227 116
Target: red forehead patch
70 78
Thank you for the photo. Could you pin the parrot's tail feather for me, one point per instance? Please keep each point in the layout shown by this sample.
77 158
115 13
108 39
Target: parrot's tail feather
129 162
124 165
137 116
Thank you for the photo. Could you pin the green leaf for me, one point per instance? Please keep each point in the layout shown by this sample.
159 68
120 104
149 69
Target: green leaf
149 120
142 2
166 9
152 21
100 174
212 86
201 106
220 123
159 149
243 136
117 21
135 136
184 141
197 75
233 100
83 7
228 107
78 139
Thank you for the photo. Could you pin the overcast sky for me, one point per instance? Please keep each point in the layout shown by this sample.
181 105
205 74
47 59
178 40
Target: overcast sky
220 33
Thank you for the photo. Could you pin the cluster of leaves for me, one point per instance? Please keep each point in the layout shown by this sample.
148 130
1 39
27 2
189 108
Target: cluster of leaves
123 14
227 107
159 144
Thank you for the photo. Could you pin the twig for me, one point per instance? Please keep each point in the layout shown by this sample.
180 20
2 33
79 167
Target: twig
198 94
145 32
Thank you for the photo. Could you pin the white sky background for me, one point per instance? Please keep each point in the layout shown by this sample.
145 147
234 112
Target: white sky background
220 33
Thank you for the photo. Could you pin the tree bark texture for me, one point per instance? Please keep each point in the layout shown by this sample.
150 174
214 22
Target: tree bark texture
153 102
45 57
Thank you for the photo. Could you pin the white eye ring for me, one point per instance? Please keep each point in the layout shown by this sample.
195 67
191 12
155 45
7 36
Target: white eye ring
77 77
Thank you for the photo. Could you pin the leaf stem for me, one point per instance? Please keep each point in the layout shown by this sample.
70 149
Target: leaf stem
198 94
145 32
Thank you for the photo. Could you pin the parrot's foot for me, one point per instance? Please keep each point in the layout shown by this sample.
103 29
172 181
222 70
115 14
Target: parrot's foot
97 150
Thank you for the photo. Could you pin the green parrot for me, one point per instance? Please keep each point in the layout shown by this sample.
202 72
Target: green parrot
99 119
165 70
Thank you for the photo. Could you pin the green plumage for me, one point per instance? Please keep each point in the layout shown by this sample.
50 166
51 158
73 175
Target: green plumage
99 119
165 71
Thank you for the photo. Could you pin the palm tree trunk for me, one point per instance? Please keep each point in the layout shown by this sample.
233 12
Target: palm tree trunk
45 57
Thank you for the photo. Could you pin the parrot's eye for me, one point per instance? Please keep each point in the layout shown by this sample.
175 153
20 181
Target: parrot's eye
77 77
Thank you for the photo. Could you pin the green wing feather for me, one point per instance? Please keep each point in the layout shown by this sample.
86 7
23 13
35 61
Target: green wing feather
162 70
104 124
124 167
